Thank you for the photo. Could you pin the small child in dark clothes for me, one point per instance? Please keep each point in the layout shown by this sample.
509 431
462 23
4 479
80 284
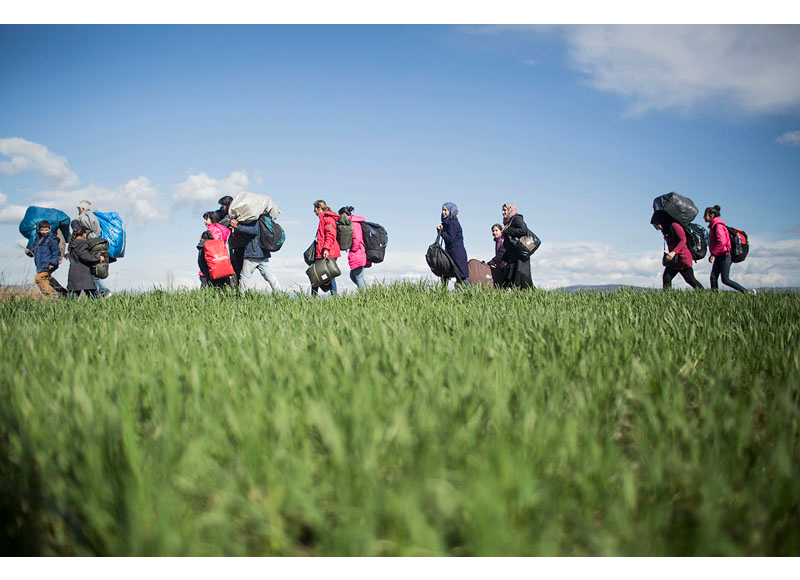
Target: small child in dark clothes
205 277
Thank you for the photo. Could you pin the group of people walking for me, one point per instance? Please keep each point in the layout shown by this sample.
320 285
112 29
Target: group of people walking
247 255
510 269
678 258
48 255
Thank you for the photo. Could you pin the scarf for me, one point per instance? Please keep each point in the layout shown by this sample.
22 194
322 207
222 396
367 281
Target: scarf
512 212
452 208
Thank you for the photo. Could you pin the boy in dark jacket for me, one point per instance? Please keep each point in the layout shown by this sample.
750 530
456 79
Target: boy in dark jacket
46 255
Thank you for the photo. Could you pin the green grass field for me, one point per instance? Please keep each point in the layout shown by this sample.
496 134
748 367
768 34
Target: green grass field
402 421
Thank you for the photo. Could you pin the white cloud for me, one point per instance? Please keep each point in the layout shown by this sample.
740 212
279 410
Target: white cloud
201 188
791 138
137 200
12 214
745 67
29 156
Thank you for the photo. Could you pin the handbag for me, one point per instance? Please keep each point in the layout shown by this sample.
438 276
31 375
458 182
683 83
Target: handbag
310 255
321 272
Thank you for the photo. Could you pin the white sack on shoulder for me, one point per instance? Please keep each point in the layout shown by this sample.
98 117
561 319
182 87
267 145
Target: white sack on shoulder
247 206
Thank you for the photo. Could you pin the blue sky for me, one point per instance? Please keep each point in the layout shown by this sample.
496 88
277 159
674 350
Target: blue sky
579 126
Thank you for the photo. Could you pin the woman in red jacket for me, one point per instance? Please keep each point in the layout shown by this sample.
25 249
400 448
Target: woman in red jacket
679 258
327 246
719 248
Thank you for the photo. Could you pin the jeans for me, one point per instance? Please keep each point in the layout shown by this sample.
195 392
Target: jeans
722 265
314 289
101 288
262 265
357 276
688 275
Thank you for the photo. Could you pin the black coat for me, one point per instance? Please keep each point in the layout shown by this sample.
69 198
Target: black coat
453 237
518 271
80 260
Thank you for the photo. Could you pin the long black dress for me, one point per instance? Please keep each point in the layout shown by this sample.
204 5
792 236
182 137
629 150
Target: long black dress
518 271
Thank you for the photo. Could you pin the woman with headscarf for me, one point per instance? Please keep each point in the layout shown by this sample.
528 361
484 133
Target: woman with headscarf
517 271
453 237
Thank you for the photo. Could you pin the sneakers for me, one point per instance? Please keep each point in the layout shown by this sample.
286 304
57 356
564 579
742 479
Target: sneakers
752 292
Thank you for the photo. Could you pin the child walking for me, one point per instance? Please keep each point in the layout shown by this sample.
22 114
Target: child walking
46 256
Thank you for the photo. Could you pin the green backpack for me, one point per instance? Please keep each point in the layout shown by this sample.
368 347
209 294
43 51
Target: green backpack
99 247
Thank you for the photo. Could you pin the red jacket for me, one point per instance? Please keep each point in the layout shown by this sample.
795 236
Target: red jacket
676 242
326 235
719 240
357 256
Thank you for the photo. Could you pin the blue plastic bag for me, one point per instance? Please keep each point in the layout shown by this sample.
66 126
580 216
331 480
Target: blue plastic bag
33 215
113 231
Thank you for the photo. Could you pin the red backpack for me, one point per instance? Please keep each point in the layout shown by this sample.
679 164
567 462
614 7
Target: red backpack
219 263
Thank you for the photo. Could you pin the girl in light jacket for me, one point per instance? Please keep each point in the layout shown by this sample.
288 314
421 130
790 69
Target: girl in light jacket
453 237
327 246
719 247
357 256
679 258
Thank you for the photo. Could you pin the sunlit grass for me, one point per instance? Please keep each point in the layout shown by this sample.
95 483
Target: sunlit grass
404 420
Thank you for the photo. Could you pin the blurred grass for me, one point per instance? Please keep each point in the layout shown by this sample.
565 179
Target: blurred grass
404 420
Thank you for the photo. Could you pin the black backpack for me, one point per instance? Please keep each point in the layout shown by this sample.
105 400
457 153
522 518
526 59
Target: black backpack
740 245
696 240
270 234
344 232
375 240
439 260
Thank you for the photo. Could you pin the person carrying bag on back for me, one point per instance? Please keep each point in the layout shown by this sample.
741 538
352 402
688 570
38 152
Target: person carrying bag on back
678 258
719 249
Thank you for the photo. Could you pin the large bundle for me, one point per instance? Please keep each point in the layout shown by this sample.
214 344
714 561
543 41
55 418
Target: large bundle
246 207
114 231
680 208
59 221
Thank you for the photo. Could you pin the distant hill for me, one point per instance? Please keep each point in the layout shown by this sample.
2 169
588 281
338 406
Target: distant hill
614 287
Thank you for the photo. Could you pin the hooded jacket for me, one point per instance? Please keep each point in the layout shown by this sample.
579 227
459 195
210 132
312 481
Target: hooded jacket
219 232
357 257
719 239
326 235
46 252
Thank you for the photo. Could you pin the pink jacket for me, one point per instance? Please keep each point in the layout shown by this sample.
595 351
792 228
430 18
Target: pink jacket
719 240
357 256
219 232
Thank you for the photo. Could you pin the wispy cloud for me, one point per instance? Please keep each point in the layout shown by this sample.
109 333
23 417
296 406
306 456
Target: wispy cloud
790 138
29 156
10 214
203 189
752 69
